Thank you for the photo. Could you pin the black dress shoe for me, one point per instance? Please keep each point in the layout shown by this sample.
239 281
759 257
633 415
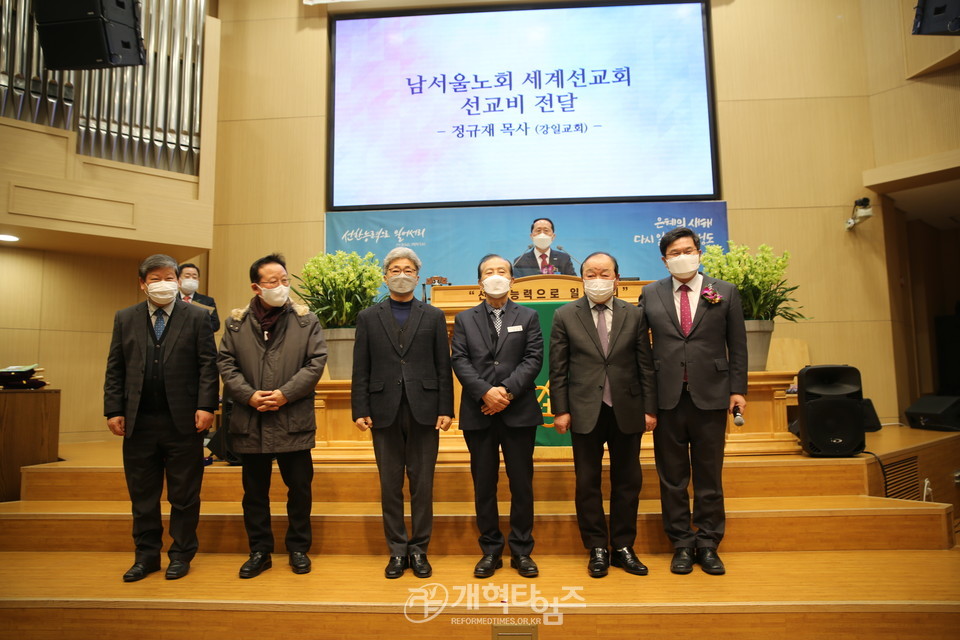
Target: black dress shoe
141 570
259 562
683 560
710 562
299 562
487 566
525 566
626 559
420 565
599 562
177 569
395 567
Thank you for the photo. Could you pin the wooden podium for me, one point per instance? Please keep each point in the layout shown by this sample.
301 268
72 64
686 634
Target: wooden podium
765 418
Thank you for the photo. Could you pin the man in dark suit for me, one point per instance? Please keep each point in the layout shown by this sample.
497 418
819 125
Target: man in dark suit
700 353
403 390
603 389
497 352
541 258
189 283
160 392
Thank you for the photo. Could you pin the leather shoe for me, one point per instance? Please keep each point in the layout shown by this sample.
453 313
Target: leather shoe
299 562
683 560
141 570
525 566
395 567
420 565
599 562
177 569
626 559
487 566
259 562
710 562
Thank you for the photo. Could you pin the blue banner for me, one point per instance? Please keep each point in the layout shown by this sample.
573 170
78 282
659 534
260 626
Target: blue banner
450 242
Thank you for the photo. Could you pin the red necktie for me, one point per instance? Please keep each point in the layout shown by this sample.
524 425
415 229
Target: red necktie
686 318
186 299
544 266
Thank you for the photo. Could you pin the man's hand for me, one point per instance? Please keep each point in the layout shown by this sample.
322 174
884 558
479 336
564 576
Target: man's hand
737 400
203 420
444 422
117 425
495 400
364 423
274 400
651 421
561 423
258 398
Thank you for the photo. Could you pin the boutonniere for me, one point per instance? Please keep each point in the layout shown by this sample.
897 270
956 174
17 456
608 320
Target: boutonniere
711 295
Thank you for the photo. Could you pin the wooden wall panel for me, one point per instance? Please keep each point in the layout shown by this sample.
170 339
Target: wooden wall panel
20 268
31 149
55 204
257 180
765 50
273 69
86 303
260 10
19 346
883 44
164 184
75 362
917 119
794 153
923 52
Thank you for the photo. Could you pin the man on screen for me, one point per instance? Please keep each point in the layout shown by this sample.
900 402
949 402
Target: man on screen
541 259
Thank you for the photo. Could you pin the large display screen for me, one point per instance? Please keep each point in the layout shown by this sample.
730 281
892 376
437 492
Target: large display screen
539 104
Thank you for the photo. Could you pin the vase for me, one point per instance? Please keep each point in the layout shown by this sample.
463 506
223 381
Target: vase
758 343
340 352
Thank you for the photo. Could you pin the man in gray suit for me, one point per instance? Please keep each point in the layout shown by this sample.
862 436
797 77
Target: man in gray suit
160 392
497 352
603 389
700 353
403 389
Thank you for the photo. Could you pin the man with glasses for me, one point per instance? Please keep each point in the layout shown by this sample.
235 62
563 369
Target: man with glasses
403 390
271 356
541 258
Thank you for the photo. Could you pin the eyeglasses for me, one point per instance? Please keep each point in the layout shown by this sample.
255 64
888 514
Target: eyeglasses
395 271
686 252
273 283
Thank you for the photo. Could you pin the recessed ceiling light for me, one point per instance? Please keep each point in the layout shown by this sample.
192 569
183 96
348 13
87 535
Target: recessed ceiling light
8 238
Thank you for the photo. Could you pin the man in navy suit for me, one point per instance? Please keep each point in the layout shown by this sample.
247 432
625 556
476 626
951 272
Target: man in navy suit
159 394
497 352
541 258
189 283
403 390
700 354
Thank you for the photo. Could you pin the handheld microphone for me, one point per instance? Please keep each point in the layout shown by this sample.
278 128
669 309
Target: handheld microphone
737 415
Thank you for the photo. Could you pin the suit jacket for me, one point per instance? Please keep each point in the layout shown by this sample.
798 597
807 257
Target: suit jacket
514 362
714 354
578 366
209 304
189 365
387 361
527 264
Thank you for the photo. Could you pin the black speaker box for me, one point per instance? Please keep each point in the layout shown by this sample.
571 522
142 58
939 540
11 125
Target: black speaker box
937 18
89 34
830 411
937 413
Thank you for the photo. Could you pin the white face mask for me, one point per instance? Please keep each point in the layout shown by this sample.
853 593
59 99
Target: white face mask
162 293
598 290
542 241
189 286
276 297
496 286
401 284
684 266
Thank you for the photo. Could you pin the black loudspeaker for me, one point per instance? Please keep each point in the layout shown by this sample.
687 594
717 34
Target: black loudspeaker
938 413
830 411
89 34
937 18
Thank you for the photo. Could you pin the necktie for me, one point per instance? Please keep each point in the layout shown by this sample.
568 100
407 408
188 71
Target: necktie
605 344
160 323
497 320
186 299
686 318
544 266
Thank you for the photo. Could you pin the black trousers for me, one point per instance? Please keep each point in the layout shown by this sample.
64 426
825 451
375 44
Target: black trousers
687 437
406 447
296 469
154 450
626 479
517 444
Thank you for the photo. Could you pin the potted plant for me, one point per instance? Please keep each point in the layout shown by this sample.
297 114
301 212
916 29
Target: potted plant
760 279
337 287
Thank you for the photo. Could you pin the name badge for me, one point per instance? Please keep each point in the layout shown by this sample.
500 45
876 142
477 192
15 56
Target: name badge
515 328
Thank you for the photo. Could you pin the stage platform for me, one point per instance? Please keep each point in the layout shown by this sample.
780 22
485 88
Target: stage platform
814 549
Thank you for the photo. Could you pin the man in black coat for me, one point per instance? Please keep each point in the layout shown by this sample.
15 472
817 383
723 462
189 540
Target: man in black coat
541 258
